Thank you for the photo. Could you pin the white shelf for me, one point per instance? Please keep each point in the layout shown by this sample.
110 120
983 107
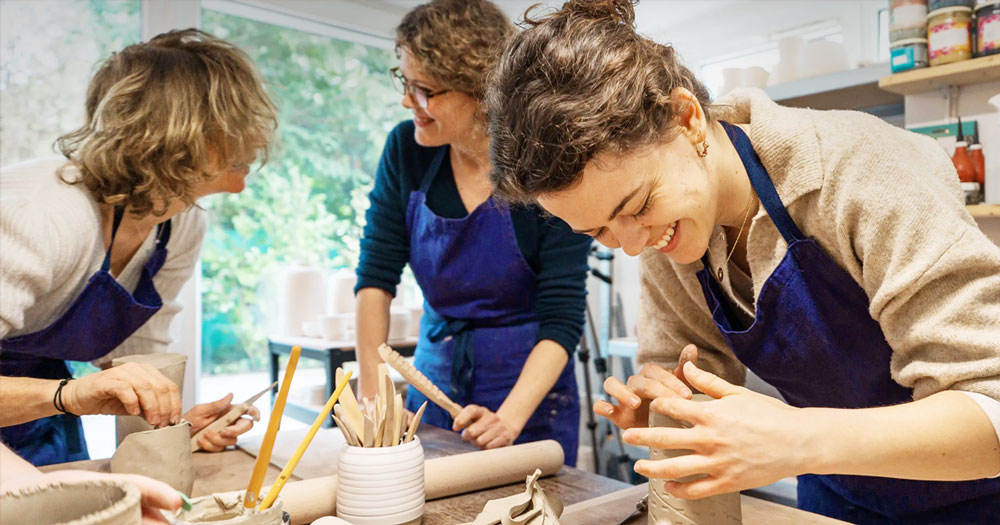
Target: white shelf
851 89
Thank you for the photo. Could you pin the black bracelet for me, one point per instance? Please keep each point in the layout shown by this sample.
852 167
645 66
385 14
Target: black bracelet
57 400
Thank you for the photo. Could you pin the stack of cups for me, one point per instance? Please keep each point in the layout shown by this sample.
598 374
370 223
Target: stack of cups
382 485
907 34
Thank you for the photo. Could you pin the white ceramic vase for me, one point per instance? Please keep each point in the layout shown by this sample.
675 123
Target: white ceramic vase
383 486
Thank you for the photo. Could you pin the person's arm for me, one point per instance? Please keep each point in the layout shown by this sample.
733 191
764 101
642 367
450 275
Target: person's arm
133 388
16 473
372 330
944 437
385 250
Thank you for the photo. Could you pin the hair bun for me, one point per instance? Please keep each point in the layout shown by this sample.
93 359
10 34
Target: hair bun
619 11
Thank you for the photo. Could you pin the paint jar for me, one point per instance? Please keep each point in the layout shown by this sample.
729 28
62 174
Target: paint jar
988 28
908 54
907 19
941 4
723 509
383 485
949 37
90 502
226 508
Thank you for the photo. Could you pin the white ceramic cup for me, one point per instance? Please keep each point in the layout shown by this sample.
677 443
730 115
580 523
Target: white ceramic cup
365 495
399 323
331 327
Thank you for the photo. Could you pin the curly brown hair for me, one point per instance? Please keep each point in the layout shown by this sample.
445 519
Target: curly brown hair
458 42
578 82
161 114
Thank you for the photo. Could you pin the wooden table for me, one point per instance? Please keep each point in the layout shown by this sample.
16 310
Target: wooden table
230 470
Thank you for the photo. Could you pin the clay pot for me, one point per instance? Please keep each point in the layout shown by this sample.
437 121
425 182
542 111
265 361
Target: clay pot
163 454
226 508
91 502
723 509
170 365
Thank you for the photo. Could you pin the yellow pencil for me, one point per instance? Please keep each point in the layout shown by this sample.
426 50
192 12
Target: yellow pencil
287 471
264 456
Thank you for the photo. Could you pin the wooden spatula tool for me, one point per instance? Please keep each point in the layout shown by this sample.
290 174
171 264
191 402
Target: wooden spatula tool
418 380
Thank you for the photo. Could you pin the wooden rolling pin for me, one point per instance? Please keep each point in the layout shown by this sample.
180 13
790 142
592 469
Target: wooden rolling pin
227 419
419 381
308 500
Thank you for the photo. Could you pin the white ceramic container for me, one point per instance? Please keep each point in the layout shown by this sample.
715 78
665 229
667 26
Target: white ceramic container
383 485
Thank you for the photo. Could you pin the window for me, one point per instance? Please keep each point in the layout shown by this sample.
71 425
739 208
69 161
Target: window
49 51
336 107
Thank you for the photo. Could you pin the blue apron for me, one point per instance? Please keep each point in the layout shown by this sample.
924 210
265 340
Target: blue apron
479 323
814 340
100 319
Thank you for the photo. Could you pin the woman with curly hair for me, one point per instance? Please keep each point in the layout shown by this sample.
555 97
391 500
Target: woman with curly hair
504 288
97 245
827 251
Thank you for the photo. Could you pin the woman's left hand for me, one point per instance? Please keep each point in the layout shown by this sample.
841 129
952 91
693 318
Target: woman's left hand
204 414
484 428
739 440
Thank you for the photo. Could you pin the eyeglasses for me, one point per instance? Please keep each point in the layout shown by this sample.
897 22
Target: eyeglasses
420 94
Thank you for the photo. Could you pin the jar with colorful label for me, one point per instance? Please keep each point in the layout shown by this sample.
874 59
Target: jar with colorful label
908 54
907 19
988 28
949 36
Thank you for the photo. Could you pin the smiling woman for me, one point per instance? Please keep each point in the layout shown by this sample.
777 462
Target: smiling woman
870 304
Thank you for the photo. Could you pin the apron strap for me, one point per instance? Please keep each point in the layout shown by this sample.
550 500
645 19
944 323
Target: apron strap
762 185
432 170
119 213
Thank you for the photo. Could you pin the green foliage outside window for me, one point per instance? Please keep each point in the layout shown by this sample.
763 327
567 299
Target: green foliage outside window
336 106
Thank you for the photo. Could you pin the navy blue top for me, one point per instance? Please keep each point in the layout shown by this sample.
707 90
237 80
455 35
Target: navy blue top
556 254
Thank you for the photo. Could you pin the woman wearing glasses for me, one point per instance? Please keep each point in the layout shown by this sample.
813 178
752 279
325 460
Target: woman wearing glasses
504 288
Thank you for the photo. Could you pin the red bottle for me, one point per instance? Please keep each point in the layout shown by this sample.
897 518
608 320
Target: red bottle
963 163
978 163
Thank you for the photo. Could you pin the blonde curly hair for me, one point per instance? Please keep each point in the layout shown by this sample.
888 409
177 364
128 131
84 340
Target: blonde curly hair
458 42
161 116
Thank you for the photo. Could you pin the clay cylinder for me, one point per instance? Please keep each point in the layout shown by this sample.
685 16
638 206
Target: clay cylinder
665 509
382 485
163 454
227 509
170 365
91 502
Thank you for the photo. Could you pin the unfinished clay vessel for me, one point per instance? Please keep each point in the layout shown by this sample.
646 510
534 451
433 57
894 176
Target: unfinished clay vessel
665 509
170 365
226 508
163 454
91 502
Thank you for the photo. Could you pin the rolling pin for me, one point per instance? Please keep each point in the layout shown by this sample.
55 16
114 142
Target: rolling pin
227 419
419 381
310 499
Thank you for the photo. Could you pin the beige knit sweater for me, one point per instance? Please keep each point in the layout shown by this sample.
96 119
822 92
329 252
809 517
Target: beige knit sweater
886 206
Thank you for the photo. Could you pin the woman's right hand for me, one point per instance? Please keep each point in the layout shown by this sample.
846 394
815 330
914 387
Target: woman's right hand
633 397
130 389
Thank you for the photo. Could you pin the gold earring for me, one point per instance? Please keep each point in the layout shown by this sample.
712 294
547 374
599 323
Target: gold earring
703 152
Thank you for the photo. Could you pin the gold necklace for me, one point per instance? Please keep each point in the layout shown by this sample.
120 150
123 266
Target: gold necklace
746 213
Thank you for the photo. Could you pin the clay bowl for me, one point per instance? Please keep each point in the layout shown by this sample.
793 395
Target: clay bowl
90 502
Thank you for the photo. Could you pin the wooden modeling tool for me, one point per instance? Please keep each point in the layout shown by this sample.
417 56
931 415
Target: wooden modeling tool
264 456
227 419
369 432
351 410
287 471
397 426
412 431
389 418
418 380
348 437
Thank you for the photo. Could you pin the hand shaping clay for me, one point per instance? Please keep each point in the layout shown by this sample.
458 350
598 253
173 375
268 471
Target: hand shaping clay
163 454
91 502
227 509
531 507
665 509
171 365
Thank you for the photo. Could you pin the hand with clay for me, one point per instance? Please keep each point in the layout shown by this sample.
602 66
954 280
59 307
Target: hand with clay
131 389
18 473
204 414
484 428
740 439
651 382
